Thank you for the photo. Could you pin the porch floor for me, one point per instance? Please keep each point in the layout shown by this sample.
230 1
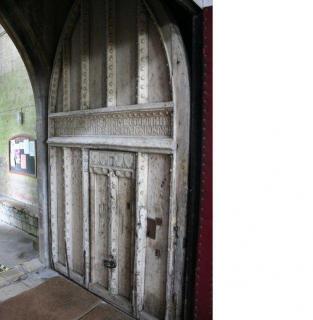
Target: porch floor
28 290
58 298
16 246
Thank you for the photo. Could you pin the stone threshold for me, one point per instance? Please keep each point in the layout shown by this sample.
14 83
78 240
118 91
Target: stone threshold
23 277
31 274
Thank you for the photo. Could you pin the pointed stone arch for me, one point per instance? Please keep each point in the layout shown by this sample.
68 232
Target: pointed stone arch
38 71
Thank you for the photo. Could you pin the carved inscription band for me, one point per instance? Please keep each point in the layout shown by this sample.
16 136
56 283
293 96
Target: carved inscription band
111 159
144 123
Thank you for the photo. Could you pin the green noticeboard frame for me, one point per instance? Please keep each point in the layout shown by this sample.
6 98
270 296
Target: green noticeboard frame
23 155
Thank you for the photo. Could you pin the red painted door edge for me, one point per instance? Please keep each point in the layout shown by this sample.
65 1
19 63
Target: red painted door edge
203 286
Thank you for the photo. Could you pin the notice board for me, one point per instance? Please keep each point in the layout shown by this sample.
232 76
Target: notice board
22 153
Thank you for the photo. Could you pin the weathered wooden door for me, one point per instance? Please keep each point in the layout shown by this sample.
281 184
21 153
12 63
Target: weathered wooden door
118 150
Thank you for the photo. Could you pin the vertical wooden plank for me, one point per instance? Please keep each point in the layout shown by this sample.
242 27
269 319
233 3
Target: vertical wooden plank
86 240
158 207
74 212
60 191
171 244
77 212
97 59
95 226
101 235
68 208
143 54
126 234
53 203
159 74
181 159
76 72
84 43
66 76
92 226
60 96
111 53
126 53
99 229
141 230
113 231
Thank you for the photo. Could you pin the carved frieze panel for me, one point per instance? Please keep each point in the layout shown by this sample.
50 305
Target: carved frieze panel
142 123
111 159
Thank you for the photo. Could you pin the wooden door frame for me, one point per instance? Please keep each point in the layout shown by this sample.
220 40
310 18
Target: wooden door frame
196 28
203 309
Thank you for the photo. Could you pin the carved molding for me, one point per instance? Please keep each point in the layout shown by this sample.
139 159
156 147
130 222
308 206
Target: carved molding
116 109
130 144
84 54
143 54
141 123
68 180
111 54
53 203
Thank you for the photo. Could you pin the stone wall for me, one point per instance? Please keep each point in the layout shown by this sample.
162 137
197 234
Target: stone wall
19 216
15 95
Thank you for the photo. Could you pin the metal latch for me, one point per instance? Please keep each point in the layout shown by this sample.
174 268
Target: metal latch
109 263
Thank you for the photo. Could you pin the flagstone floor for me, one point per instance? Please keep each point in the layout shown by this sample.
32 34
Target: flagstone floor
26 272
16 246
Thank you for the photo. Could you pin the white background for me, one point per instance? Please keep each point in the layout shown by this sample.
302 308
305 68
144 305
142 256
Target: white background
263 160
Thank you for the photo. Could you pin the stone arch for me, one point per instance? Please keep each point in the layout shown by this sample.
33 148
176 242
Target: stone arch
38 71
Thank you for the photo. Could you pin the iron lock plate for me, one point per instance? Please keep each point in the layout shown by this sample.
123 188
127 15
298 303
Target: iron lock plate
109 263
